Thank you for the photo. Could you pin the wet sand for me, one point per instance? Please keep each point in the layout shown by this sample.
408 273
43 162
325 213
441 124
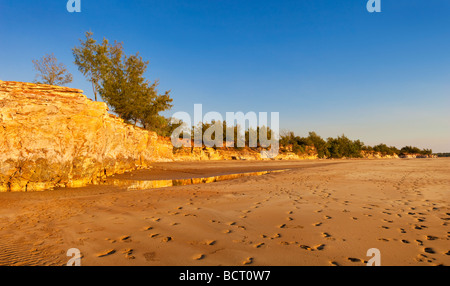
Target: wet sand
317 213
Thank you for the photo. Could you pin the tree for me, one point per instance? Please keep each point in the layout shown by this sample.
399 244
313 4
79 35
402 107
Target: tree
129 94
51 72
119 79
344 147
320 145
92 60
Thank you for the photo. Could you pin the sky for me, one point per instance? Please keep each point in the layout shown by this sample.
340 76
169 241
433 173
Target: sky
327 66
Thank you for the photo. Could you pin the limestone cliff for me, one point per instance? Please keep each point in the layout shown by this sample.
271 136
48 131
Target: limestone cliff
54 136
205 154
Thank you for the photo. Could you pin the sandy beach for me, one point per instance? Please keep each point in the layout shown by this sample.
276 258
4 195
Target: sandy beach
316 213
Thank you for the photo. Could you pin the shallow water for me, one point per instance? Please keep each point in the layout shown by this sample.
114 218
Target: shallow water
157 184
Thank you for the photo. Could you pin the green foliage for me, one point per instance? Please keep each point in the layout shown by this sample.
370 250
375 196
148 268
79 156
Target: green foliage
120 81
295 142
51 72
320 144
343 147
238 136
443 155
92 60
414 150
385 150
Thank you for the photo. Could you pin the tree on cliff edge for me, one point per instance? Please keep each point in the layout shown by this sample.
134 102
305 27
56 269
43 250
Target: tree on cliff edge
51 72
92 60
119 79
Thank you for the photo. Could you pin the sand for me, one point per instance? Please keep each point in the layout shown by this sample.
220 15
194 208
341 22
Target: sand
317 213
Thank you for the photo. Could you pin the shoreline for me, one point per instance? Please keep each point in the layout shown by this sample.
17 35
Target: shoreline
325 215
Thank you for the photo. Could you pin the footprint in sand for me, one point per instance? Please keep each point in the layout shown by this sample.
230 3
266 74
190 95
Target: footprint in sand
421 257
430 237
153 235
106 253
326 235
319 247
334 263
147 228
285 243
306 247
429 250
167 239
128 253
317 224
125 238
282 226
248 261
277 235
355 260
259 245
210 242
199 257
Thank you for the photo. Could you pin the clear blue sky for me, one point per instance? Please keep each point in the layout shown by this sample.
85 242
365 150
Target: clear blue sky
326 65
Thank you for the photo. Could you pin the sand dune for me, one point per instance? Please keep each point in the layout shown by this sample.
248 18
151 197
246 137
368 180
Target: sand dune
317 213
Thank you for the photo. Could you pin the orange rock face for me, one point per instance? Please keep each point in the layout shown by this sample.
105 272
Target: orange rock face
55 136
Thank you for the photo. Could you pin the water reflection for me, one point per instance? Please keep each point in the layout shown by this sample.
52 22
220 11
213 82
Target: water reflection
156 184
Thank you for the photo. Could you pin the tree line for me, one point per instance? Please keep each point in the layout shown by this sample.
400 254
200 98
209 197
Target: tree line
443 155
341 147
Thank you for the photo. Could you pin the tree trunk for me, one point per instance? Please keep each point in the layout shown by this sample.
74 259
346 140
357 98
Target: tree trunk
95 91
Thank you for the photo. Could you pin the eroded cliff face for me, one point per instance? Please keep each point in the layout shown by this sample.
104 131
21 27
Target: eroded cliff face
211 154
54 136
